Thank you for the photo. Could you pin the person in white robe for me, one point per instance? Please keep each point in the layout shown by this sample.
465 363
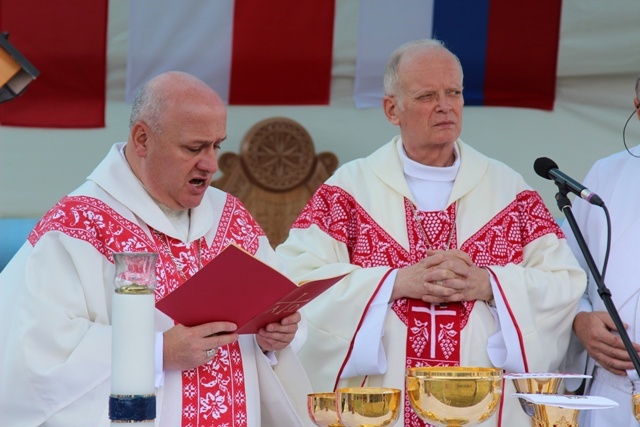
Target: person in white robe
596 347
150 194
452 259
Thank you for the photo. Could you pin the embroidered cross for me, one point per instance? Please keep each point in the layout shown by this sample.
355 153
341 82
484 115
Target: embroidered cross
434 313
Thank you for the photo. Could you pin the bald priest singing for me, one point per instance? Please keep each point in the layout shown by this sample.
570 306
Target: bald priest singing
150 194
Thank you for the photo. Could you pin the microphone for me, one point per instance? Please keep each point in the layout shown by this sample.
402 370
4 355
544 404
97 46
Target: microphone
548 169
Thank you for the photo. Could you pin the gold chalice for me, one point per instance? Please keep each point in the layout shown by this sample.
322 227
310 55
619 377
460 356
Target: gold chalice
368 406
322 409
452 396
544 384
635 406
535 384
554 410
551 416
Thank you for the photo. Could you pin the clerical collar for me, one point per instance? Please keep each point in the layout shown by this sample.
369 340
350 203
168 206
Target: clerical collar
179 218
422 172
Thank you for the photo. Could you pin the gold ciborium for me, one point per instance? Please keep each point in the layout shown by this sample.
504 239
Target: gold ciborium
368 406
454 395
322 409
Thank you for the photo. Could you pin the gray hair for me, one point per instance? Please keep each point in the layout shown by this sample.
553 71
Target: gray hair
638 88
390 82
147 106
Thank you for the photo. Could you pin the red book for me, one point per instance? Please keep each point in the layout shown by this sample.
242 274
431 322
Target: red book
237 287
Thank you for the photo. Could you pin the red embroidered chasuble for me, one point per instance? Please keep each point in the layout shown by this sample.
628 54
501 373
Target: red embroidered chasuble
214 393
433 332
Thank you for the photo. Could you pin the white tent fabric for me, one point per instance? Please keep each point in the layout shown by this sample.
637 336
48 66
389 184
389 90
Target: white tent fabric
417 17
599 60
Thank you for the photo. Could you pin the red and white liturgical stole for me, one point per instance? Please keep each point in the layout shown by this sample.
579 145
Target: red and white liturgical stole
433 330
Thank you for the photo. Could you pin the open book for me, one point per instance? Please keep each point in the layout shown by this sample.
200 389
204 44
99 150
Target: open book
237 287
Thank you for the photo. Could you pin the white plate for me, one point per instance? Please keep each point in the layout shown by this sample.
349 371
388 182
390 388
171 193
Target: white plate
517 376
569 401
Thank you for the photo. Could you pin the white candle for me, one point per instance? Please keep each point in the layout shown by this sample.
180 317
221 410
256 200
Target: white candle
132 399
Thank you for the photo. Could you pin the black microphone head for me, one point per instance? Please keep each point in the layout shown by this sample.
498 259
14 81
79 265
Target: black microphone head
543 165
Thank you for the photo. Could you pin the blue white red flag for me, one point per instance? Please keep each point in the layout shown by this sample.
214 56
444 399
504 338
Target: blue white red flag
508 49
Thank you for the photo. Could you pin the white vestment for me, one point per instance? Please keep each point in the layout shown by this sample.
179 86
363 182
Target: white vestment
614 179
361 214
55 310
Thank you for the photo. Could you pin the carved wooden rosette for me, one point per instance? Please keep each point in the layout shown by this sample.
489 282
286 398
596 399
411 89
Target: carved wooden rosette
275 174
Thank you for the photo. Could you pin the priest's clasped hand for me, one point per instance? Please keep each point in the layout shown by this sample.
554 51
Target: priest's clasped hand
443 276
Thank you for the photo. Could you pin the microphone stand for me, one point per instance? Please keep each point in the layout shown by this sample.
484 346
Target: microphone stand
605 294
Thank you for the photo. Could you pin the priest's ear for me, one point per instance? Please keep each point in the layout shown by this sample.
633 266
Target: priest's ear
390 107
139 137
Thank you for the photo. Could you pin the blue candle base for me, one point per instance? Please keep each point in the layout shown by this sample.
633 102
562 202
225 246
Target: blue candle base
132 408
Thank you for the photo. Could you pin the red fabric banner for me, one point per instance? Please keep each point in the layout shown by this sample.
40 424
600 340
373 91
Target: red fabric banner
522 53
66 41
282 52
